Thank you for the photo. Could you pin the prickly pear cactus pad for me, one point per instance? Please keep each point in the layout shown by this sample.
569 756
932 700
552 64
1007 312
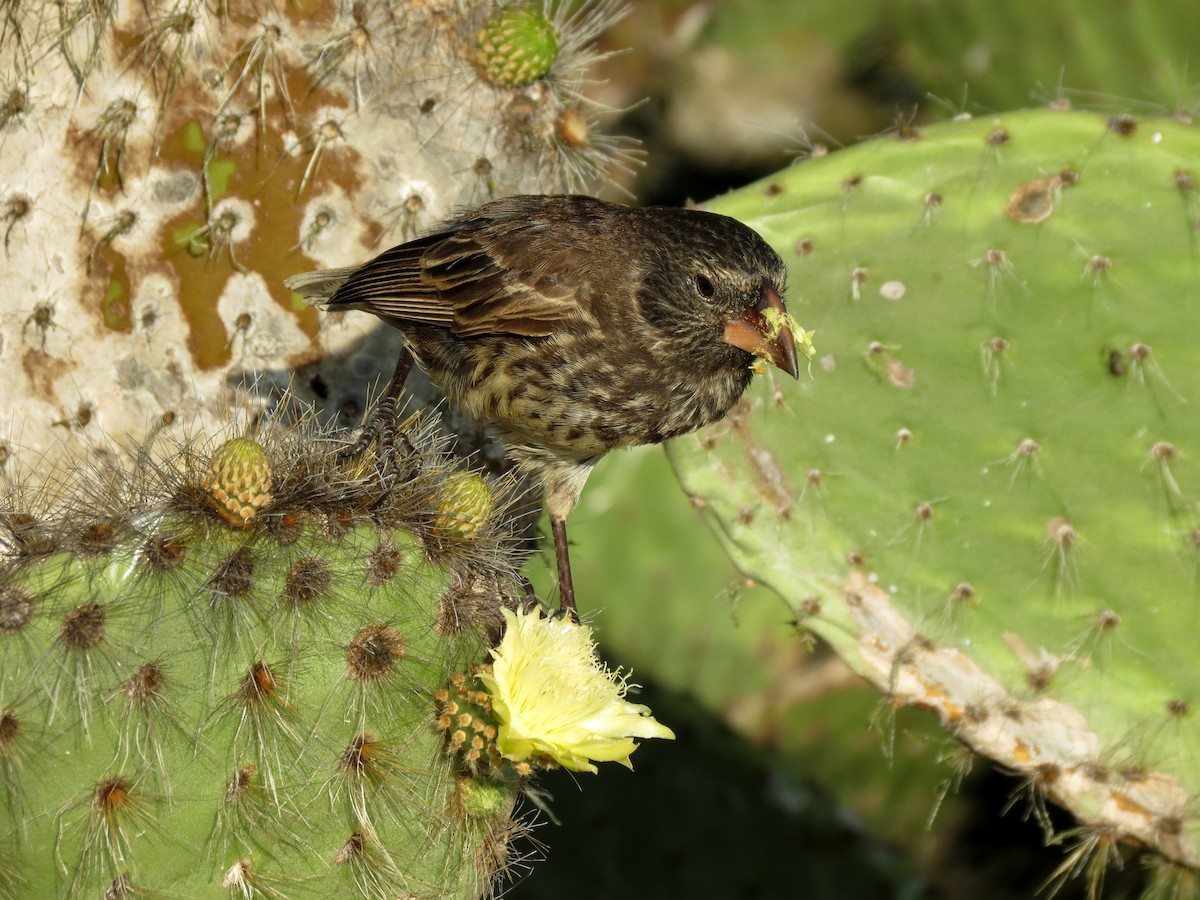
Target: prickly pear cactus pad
984 495
221 673
167 164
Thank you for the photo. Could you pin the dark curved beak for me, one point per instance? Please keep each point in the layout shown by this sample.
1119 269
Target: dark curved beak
766 336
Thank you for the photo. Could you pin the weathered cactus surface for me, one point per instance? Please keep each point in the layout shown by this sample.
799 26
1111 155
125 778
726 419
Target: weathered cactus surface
167 164
195 703
985 495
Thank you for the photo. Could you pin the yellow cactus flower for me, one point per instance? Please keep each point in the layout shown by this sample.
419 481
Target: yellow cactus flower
554 698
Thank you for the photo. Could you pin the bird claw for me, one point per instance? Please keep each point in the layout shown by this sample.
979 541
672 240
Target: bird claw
381 429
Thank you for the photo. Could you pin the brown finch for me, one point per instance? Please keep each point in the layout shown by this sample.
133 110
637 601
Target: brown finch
577 326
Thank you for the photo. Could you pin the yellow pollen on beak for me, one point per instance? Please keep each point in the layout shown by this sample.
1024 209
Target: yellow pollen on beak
778 319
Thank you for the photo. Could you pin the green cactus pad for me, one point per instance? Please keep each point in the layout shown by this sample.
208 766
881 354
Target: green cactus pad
192 706
516 47
985 494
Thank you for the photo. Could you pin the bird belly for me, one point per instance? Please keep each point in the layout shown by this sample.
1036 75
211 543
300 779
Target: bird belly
575 401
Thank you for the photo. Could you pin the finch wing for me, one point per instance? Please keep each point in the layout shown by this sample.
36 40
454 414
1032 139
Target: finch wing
505 277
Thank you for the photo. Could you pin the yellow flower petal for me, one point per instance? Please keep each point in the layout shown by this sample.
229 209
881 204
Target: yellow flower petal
552 696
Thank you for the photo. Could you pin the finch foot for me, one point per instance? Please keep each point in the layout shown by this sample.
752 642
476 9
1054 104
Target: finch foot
380 427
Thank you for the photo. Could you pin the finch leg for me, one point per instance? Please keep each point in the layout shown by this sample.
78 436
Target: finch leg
566 590
381 422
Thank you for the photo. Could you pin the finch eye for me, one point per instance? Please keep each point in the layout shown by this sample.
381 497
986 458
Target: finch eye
704 286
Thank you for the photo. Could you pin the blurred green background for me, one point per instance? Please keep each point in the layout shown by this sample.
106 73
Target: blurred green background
727 91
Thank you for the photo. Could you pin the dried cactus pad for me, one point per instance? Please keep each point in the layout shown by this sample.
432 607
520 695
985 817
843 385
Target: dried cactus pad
167 165
985 495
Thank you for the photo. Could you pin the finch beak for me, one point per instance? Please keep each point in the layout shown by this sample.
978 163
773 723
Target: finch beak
763 331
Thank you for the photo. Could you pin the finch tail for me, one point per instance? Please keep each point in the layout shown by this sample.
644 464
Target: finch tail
318 287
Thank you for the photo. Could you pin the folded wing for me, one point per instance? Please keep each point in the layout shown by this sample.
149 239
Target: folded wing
489 276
